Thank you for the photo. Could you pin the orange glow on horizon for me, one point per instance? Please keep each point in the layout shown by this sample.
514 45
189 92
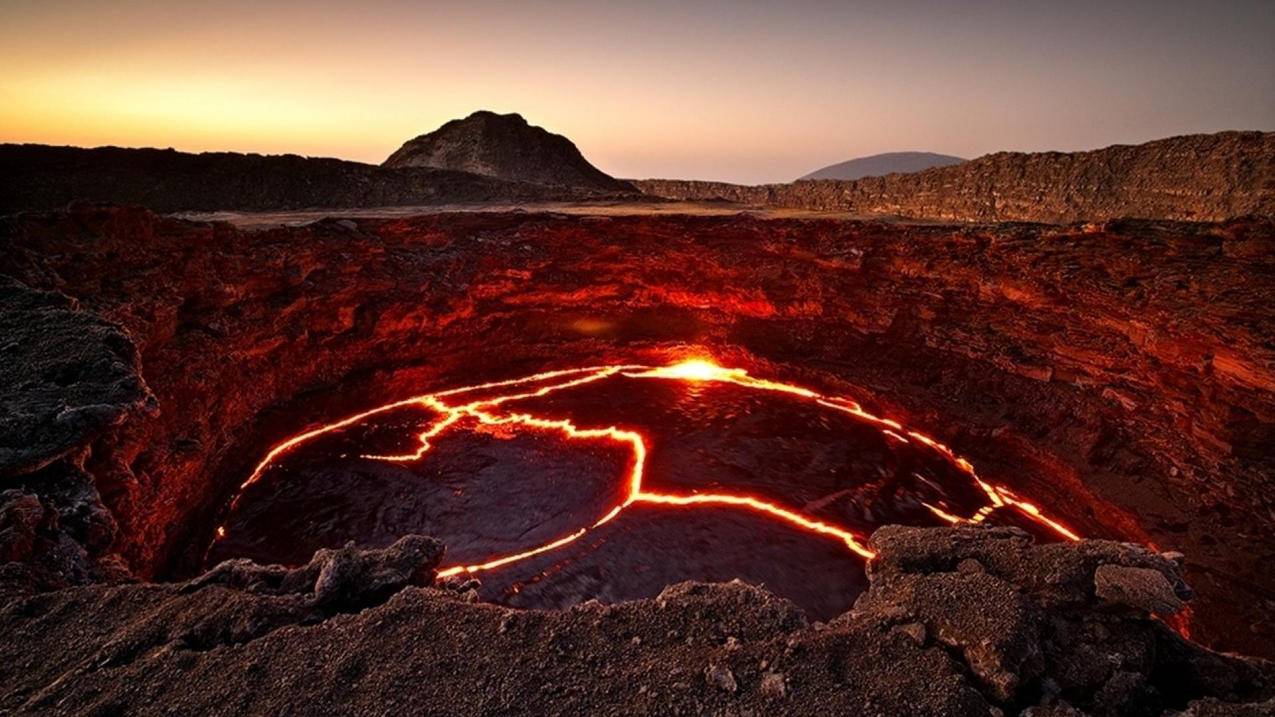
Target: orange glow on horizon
346 80
484 411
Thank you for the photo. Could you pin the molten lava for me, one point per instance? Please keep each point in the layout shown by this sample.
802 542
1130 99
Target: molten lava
484 405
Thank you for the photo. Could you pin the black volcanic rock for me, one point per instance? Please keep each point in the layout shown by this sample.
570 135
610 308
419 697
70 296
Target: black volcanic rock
65 376
344 579
879 165
506 147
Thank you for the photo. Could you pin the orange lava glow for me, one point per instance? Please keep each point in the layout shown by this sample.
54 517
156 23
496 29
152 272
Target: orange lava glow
487 411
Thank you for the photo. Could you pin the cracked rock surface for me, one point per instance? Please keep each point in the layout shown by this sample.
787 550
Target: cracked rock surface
66 375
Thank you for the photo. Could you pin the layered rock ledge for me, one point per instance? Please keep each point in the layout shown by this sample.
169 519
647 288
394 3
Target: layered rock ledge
1202 177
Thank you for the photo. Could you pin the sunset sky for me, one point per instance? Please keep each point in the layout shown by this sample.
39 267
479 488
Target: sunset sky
736 91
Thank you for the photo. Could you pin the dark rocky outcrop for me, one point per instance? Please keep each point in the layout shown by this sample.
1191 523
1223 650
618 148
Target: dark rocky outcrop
65 377
345 579
55 531
1026 621
43 177
1194 178
1015 630
506 147
1143 588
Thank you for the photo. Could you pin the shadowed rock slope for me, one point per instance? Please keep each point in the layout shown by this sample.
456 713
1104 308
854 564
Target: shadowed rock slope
44 177
506 147
1202 177
67 376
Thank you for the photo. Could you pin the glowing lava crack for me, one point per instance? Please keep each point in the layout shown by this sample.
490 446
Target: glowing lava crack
488 410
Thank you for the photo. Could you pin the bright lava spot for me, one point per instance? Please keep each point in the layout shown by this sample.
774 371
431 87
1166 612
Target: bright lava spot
483 405
696 370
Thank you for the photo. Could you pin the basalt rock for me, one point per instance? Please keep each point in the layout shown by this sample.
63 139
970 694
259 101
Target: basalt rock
1143 588
343 579
66 376
1027 619
1203 177
55 532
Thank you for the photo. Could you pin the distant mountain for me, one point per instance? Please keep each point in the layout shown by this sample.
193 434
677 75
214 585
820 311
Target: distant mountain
1197 177
505 147
879 165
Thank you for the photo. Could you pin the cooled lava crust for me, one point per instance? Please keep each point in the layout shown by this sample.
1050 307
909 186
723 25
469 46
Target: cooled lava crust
614 482
1123 374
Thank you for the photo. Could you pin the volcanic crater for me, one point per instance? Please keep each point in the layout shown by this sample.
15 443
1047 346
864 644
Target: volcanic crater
706 485
598 407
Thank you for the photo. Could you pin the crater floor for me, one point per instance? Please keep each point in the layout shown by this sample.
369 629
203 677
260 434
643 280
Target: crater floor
613 482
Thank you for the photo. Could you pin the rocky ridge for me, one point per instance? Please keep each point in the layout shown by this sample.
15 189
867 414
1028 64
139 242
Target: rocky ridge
40 177
67 377
1205 177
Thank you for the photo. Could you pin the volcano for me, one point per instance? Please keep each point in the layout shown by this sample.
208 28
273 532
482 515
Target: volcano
646 443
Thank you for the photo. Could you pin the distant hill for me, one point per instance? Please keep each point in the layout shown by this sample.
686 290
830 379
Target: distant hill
34 176
1198 177
505 147
879 165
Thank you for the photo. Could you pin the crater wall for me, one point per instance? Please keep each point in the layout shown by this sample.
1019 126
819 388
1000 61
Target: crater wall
1204 177
1123 371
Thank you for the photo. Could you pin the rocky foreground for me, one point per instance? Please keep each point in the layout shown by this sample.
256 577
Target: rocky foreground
971 621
